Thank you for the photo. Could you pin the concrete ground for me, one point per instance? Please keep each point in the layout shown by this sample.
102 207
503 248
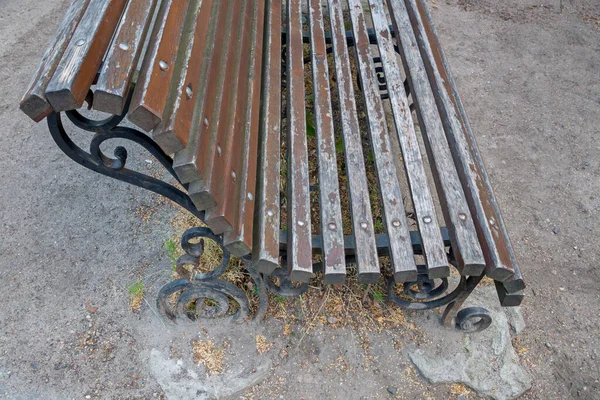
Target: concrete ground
72 242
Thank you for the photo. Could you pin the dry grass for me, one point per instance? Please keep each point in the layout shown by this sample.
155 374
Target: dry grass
262 345
458 389
211 357
351 304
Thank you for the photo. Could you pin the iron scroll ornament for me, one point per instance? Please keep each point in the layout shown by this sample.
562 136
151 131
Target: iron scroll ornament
194 290
97 161
190 289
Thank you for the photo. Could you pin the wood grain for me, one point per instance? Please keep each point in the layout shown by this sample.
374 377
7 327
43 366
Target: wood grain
185 162
34 102
265 253
500 258
173 132
153 86
433 244
394 215
329 194
229 136
79 65
239 241
362 219
465 243
116 76
207 145
298 197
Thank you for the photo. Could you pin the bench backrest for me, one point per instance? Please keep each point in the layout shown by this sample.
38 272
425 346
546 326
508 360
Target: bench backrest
204 78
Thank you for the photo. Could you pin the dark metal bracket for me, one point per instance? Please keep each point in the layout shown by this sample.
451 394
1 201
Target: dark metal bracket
208 294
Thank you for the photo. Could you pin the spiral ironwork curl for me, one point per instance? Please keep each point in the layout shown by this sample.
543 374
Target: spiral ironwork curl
425 293
203 294
285 287
473 319
115 167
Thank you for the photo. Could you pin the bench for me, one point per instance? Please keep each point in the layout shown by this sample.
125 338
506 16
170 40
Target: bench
280 118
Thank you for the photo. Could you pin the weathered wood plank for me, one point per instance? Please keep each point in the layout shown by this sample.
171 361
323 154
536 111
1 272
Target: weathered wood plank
116 75
394 215
488 221
465 243
79 65
34 102
230 135
266 231
329 194
185 162
173 131
362 218
435 253
239 240
298 195
153 86
207 137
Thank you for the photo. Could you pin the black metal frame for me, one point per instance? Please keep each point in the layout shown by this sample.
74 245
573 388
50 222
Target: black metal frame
211 295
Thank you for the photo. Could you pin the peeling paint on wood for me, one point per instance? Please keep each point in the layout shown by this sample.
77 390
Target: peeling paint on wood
394 214
266 230
457 214
153 87
116 75
362 219
34 102
82 58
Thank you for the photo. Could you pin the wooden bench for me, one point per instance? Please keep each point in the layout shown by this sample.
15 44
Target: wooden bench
233 90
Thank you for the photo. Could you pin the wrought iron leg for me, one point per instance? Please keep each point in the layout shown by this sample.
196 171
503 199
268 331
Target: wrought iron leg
426 294
471 319
203 294
198 294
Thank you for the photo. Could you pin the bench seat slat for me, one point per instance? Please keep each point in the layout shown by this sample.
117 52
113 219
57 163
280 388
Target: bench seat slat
298 196
268 216
501 262
394 214
239 240
329 194
116 75
465 243
186 161
234 109
362 219
216 93
151 92
80 63
173 132
34 102
435 253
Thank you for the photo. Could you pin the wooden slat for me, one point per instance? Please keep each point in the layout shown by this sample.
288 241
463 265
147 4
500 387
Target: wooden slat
230 136
465 243
394 215
150 94
218 95
362 218
116 75
298 195
239 240
488 221
82 58
34 102
266 231
173 132
329 194
435 253
185 162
